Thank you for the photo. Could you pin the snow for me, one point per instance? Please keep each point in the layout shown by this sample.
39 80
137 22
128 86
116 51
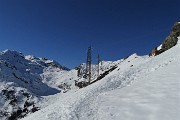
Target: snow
158 48
21 75
140 88
155 96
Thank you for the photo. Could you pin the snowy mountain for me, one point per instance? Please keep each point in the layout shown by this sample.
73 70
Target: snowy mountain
26 82
140 88
132 88
21 81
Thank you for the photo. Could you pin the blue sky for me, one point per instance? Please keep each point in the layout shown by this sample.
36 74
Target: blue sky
63 29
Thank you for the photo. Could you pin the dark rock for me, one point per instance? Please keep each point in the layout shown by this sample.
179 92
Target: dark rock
27 104
13 116
34 109
169 42
10 94
81 84
13 102
26 94
25 110
19 112
153 52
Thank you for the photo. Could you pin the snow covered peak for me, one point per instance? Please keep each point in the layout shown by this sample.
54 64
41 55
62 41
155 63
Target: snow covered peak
134 55
30 57
21 80
15 57
25 71
10 53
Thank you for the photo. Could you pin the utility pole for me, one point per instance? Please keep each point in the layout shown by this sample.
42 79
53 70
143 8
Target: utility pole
98 64
88 64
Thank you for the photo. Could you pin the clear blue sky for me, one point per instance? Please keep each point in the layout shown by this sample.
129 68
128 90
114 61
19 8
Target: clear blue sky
63 29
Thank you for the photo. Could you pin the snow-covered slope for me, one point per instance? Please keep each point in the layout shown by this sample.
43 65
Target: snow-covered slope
28 80
25 71
21 81
140 88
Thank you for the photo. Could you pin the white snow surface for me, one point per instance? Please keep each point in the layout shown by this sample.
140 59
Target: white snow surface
22 76
158 48
140 88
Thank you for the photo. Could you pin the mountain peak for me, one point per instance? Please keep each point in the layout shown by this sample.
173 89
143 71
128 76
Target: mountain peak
8 51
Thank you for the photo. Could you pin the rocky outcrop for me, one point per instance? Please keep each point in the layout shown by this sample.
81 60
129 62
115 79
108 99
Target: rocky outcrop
169 42
153 52
18 104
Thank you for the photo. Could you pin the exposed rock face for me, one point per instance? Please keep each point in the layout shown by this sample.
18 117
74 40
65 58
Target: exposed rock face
176 29
153 52
169 42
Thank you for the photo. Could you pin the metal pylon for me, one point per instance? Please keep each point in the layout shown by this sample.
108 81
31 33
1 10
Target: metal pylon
88 65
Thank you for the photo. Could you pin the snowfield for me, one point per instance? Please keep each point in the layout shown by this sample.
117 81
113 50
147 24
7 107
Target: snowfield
22 84
140 88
